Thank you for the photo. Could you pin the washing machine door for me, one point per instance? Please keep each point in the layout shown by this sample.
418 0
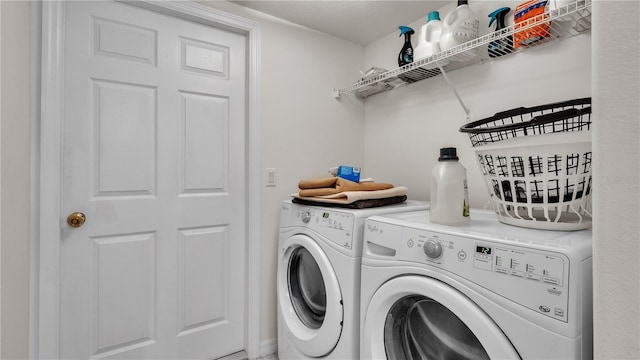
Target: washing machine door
416 317
309 296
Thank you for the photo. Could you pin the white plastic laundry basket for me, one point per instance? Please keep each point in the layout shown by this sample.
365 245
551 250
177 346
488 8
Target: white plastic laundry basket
544 183
537 170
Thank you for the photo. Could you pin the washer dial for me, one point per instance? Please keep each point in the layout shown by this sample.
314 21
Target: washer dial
432 248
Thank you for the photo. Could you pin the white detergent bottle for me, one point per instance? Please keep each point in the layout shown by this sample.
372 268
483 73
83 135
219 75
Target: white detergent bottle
429 41
459 26
449 193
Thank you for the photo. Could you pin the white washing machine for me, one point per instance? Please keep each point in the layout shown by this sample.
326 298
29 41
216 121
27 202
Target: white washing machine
318 280
480 291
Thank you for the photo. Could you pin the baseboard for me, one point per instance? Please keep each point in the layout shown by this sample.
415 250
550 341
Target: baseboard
240 355
268 347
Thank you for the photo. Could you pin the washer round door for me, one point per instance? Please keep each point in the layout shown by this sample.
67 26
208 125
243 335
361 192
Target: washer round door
416 317
309 294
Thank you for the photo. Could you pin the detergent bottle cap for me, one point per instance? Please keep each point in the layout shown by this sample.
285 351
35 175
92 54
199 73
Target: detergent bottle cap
448 153
405 30
499 16
434 15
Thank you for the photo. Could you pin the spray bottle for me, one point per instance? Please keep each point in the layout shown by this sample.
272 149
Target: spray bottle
406 54
502 46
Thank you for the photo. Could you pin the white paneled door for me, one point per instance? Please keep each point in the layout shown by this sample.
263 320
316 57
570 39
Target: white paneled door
154 157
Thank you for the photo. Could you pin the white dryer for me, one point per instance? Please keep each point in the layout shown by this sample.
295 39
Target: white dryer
480 291
318 280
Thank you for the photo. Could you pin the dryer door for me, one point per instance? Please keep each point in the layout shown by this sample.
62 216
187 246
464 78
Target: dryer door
416 317
309 294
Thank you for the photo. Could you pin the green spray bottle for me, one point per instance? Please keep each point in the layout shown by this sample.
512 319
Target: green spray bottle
502 46
406 54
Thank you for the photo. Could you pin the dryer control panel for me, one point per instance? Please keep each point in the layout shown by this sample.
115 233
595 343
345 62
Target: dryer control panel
335 226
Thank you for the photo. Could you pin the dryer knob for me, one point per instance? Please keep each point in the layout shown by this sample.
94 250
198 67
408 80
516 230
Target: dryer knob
306 216
432 248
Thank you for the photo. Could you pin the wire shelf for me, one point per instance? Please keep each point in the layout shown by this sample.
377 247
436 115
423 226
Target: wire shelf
564 22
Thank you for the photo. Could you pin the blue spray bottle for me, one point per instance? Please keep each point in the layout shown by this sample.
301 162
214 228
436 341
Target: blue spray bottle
502 46
406 54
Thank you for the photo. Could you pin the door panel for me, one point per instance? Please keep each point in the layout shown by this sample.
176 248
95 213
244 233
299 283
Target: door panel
123 274
202 278
154 157
125 128
204 127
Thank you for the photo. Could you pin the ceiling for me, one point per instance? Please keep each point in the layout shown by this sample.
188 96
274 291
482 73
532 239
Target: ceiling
359 21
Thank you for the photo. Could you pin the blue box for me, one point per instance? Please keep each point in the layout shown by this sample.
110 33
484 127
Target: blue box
349 173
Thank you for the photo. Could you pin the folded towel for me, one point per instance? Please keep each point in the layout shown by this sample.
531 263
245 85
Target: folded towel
359 204
347 197
336 185
318 183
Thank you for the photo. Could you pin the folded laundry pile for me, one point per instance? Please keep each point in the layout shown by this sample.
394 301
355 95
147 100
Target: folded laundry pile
339 192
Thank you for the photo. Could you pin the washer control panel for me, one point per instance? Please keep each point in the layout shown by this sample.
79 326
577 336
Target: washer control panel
532 277
519 263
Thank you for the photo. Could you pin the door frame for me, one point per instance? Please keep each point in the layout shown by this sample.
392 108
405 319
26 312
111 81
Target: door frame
44 334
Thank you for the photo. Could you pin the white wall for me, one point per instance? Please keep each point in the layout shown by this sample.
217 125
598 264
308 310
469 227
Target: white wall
616 247
15 191
0 186
415 121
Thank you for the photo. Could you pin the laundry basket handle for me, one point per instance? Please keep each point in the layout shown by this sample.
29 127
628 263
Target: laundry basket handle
558 116
475 127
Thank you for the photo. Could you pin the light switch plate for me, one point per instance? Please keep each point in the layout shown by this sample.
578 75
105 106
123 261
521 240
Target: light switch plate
271 177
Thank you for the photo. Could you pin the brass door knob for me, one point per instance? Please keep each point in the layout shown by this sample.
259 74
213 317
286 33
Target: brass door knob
76 219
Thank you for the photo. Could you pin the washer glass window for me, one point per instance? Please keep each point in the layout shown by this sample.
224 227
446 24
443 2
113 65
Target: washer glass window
306 287
418 327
